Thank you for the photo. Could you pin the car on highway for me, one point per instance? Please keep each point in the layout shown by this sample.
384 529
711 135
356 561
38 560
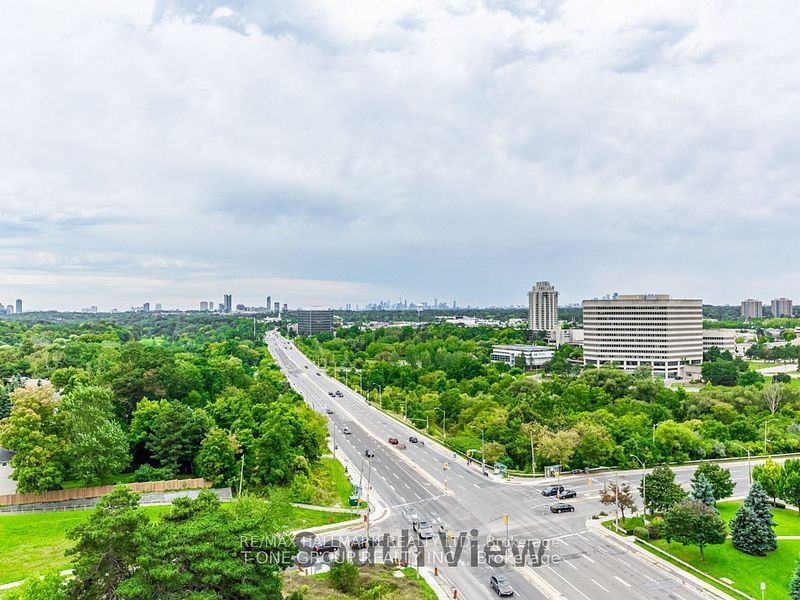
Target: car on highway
423 529
437 524
394 441
413 439
328 547
553 490
328 411
500 585
362 541
401 446
577 471
346 430
369 453
331 394
560 507
318 373
568 494
339 393
306 366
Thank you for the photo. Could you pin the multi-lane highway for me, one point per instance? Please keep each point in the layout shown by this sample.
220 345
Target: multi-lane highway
581 564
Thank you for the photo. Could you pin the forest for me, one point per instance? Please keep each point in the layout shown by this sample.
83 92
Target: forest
441 376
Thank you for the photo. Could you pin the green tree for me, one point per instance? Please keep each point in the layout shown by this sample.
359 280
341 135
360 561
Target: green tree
661 490
97 446
702 490
177 432
344 577
216 460
106 545
719 478
751 527
769 476
794 586
720 372
50 586
34 431
789 485
618 496
692 523
749 378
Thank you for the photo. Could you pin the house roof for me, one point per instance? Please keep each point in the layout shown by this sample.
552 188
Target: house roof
5 455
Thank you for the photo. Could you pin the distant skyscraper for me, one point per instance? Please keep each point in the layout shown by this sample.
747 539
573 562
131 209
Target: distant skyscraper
781 307
19 306
285 307
204 306
158 307
269 303
228 299
752 309
146 307
313 321
221 307
277 306
543 307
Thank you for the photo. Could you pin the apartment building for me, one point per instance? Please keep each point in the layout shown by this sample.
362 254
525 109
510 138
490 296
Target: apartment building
543 307
752 309
633 330
781 307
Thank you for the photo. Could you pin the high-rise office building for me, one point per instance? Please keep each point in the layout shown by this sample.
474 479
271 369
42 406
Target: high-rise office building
781 307
543 307
314 320
146 307
277 306
228 299
269 303
285 307
204 306
19 306
655 330
158 307
752 309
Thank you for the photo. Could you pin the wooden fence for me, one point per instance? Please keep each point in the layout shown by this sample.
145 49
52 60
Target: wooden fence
96 492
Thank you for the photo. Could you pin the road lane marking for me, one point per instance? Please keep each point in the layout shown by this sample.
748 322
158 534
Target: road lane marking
622 581
600 586
552 570
586 556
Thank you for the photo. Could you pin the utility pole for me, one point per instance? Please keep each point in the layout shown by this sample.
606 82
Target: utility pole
533 456
644 488
241 475
444 421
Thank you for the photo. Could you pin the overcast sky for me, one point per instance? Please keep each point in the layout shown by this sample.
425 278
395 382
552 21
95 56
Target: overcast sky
339 151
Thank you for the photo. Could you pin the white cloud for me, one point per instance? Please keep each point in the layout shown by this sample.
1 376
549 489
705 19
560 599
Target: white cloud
457 148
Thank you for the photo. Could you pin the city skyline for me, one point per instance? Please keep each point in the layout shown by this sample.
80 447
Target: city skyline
466 152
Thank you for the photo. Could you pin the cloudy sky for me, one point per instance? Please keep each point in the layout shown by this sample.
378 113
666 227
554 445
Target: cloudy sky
337 151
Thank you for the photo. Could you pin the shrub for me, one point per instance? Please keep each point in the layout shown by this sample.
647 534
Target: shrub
641 532
655 532
150 473
344 577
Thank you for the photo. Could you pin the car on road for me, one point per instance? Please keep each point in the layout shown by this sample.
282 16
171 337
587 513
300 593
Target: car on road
346 430
331 394
500 585
568 494
394 441
553 490
437 524
318 373
328 547
369 453
413 439
577 471
401 446
560 507
362 541
328 411
339 393
306 366
423 529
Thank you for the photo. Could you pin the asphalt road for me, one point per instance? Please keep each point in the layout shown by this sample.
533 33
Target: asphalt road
581 564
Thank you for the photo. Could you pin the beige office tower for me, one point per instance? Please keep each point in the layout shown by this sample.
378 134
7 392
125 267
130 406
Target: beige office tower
655 330
543 307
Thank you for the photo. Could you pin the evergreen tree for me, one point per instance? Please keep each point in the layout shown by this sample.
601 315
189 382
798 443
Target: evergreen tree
751 528
703 491
794 586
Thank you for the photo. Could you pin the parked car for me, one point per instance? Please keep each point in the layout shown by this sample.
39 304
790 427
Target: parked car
553 490
413 439
346 430
568 494
500 585
394 441
369 453
560 507
577 471
363 541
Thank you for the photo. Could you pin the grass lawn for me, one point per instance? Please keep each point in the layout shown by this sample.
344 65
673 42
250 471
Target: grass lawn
747 572
341 482
788 521
35 543
763 364
408 587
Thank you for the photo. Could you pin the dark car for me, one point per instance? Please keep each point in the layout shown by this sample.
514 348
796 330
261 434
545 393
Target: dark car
328 411
326 547
568 494
577 471
318 373
363 541
394 441
413 439
560 507
346 430
553 490
339 393
501 586
331 394
369 453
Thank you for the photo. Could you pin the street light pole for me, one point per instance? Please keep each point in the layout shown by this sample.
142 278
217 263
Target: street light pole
444 421
644 488
749 467
533 457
